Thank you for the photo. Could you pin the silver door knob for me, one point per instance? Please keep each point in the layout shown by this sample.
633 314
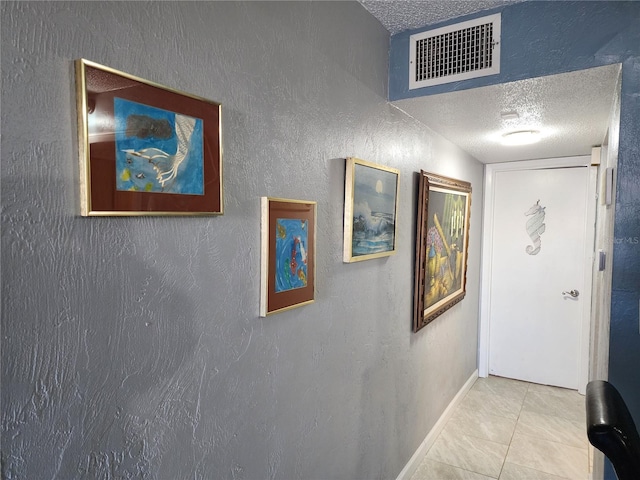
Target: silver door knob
573 293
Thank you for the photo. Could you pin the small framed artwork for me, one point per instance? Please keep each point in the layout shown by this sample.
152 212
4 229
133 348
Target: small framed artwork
370 210
145 149
288 249
442 241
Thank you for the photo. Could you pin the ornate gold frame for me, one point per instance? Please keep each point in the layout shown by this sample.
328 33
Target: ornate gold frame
442 243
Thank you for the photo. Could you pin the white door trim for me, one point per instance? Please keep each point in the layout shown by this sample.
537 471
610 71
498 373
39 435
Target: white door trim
590 247
487 255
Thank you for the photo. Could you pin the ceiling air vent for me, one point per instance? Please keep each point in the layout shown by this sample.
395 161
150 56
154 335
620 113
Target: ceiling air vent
456 52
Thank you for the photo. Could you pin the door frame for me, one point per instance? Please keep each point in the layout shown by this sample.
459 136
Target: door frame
487 254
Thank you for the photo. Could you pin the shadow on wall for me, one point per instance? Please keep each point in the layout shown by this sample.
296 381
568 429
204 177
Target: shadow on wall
96 353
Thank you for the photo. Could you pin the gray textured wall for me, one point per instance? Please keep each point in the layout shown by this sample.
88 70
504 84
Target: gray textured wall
132 347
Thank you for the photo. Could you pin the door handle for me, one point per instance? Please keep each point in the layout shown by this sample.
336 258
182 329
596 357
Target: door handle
573 293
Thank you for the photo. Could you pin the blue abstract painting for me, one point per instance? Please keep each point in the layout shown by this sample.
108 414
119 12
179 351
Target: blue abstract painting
157 150
291 253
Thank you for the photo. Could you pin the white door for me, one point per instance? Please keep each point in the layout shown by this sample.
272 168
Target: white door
537 284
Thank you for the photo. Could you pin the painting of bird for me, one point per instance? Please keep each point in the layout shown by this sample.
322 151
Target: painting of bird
165 164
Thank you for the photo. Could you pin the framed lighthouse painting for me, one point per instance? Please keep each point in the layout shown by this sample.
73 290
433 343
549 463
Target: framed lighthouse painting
442 242
288 250
145 149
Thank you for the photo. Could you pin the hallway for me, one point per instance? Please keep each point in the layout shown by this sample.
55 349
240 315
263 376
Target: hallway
511 430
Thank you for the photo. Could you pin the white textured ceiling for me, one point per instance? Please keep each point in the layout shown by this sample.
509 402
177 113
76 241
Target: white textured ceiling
400 15
571 110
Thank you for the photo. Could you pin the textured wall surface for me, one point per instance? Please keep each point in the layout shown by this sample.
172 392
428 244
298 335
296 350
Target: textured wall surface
604 240
132 347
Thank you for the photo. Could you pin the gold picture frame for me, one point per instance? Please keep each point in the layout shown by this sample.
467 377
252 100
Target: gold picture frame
288 254
370 210
145 149
442 242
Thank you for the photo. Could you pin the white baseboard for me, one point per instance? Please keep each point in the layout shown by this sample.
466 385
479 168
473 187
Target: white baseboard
413 463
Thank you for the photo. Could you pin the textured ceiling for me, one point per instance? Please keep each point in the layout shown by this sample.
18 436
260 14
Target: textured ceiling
400 15
570 110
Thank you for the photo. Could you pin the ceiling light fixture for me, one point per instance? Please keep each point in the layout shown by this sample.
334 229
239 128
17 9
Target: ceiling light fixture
522 137
513 115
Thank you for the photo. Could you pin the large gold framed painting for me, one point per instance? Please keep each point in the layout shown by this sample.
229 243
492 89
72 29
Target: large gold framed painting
442 241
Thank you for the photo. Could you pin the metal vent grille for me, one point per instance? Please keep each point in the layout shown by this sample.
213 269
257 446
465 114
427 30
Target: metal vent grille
455 52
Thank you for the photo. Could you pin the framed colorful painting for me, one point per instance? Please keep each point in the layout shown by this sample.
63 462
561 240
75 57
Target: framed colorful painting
370 210
145 149
442 241
288 250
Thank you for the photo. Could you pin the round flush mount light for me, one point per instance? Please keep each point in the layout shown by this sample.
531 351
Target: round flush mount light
521 137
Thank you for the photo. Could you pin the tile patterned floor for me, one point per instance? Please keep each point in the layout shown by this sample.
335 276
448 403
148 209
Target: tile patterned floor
510 430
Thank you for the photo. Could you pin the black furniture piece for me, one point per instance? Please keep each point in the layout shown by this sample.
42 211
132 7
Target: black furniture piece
611 429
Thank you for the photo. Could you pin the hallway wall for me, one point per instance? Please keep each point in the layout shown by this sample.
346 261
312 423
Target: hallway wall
132 347
545 38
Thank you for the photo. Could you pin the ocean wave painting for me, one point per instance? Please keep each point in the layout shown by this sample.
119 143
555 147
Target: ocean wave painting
373 232
157 150
374 204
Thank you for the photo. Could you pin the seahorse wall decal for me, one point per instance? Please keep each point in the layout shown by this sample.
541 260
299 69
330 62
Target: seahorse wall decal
535 227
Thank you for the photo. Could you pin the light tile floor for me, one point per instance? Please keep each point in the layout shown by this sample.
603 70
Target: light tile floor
511 430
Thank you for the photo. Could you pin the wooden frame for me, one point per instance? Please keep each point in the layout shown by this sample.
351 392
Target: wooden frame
145 149
370 210
288 249
442 242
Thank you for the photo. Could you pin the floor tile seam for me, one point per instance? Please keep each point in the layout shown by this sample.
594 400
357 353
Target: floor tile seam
470 435
571 406
472 448
578 418
558 398
575 423
529 467
562 393
558 442
504 394
563 418
464 436
513 433
459 407
462 468
578 421
468 409
586 449
522 429
495 414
